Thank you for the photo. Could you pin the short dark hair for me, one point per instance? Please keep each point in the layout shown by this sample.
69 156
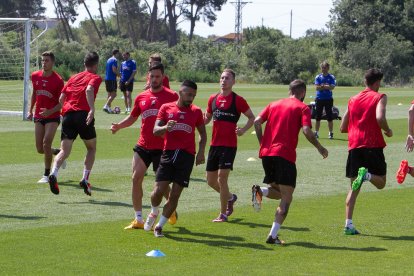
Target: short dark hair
297 86
228 70
189 83
115 52
91 59
126 53
49 54
157 66
372 75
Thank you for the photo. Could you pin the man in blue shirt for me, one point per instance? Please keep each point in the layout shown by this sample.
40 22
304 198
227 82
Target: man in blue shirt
111 72
324 84
126 83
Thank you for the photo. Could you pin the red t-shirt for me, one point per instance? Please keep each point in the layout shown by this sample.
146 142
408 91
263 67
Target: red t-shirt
75 91
147 105
165 81
224 132
47 91
284 119
182 136
363 128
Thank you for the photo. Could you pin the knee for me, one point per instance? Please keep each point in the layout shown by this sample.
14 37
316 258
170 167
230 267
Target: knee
283 211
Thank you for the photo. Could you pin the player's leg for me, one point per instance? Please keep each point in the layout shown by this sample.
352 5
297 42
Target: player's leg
50 131
225 195
319 109
212 180
89 160
125 100
39 136
212 167
65 149
156 198
129 97
349 211
328 110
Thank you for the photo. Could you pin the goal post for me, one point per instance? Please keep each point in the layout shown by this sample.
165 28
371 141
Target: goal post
18 61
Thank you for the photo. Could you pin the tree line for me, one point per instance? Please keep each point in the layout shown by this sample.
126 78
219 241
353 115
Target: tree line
359 35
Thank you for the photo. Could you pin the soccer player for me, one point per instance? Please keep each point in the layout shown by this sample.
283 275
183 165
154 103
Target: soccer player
284 119
363 121
111 72
153 60
176 121
78 101
409 145
324 84
126 82
149 147
47 85
225 109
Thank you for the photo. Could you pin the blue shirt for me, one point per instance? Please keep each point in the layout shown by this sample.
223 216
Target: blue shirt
109 74
321 79
127 67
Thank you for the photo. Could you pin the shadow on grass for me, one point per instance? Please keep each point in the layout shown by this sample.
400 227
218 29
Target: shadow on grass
392 238
315 246
22 217
75 184
256 225
198 180
105 203
228 242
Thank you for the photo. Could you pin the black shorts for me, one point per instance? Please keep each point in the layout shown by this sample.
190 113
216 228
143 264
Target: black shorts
371 158
175 166
279 171
220 157
74 123
110 86
46 121
320 105
149 156
125 88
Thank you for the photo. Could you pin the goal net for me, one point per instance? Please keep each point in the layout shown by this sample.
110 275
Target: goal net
18 58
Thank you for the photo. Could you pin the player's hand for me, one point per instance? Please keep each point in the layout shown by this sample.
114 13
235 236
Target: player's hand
89 118
409 145
239 131
29 116
388 133
114 128
200 159
45 112
170 125
323 152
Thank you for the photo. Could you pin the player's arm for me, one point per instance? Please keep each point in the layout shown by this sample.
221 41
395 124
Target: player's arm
126 122
249 124
132 76
344 123
115 70
258 128
200 158
46 112
90 98
409 145
29 115
307 131
381 117
207 118
160 127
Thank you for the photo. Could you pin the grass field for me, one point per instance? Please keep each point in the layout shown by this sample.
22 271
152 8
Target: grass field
41 233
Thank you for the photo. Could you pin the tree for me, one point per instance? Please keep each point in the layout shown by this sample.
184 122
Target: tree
205 9
153 20
66 10
91 18
100 2
173 15
22 8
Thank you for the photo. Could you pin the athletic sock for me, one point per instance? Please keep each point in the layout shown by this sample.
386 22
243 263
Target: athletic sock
154 210
367 176
163 220
86 174
138 215
348 223
274 230
265 191
55 171
47 172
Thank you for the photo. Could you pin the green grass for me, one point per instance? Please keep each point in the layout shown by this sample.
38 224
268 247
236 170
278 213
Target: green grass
74 234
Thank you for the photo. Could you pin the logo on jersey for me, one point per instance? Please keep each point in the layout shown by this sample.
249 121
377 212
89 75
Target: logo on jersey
181 115
149 112
143 103
170 115
218 113
182 127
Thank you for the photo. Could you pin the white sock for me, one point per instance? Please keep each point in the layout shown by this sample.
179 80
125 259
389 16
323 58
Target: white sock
105 106
367 176
348 223
274 230
86 174
163 220
138 215
154 210
55 171
265 191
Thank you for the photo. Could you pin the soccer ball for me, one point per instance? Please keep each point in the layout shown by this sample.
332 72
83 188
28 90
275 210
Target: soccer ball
116 110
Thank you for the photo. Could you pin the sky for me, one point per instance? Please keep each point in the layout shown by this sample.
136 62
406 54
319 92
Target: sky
269 13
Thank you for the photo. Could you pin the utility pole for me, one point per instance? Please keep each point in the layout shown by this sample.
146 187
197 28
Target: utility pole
238 27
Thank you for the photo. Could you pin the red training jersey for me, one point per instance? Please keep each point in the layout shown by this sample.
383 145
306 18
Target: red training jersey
182 136
147 105
363 128
165 81
224 132
284 119
47 91
75 91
